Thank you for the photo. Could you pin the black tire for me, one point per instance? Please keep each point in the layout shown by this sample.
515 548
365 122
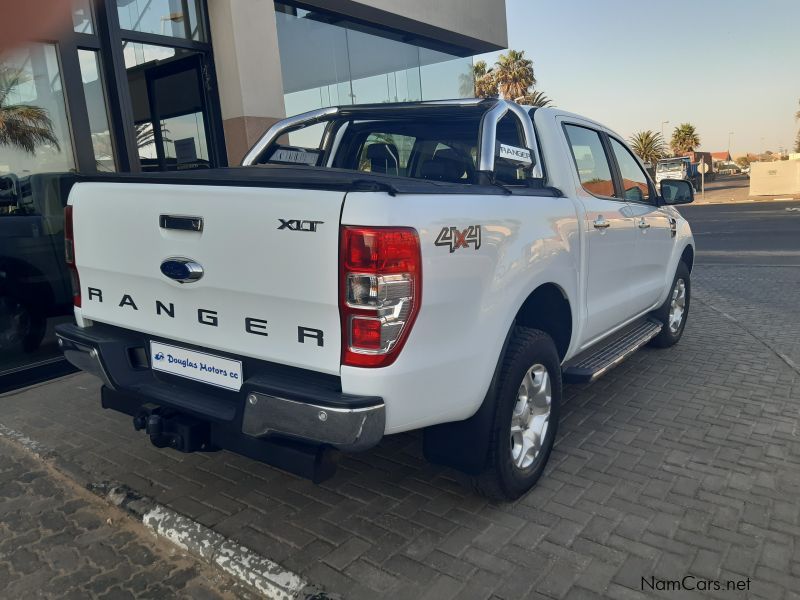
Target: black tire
502 479
669 337
21 326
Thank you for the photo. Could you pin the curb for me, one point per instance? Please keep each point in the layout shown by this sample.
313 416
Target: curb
245 566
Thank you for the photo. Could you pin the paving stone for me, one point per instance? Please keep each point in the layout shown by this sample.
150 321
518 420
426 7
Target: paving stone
680 460
82 555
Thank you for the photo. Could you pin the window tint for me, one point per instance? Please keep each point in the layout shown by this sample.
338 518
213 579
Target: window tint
591 160
386 153
509 132
634 180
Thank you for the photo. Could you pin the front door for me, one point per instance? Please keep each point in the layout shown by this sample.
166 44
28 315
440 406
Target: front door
609 233
653 231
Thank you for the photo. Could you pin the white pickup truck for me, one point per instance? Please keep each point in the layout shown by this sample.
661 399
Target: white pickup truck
439 266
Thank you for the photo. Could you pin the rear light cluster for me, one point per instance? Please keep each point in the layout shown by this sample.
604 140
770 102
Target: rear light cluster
69 251
380 282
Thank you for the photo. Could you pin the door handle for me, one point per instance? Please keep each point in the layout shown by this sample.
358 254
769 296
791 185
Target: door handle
601 223
643 224
180 223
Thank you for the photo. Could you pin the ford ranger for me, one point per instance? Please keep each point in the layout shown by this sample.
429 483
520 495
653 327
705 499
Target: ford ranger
374 269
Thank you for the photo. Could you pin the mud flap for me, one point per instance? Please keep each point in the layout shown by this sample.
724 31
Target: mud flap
464 445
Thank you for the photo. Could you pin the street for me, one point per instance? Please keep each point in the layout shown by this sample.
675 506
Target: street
751 233
682 461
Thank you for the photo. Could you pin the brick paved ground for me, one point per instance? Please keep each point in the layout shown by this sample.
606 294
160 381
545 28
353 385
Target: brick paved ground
56 541
681 461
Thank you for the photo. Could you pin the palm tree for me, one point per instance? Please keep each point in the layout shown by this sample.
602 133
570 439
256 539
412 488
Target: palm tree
684 139
648 145
514 74
534 98
22 126
483 80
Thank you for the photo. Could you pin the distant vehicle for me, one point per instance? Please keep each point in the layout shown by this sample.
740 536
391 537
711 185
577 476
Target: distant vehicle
705 157
34 280
728 168
679 167
684 167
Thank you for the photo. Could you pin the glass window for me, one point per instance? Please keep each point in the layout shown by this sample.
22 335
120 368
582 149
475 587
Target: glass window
82 16
35 145
175 18
386 153
509 132
444 76
326 64
30 85
590 160
97 108
634 181
168 107
435 149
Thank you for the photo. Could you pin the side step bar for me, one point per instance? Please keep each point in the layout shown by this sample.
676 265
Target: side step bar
598 360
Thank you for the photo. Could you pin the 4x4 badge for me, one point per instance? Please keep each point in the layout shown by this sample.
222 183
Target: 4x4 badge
457 238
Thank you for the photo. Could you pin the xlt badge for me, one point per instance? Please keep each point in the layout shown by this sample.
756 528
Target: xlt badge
298 225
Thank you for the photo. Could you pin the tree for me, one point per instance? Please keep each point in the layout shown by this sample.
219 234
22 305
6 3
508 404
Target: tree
514 74
534 98
484 80
23 126
684 139
648 145
743 161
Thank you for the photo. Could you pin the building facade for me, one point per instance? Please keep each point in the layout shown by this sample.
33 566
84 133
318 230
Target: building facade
150 85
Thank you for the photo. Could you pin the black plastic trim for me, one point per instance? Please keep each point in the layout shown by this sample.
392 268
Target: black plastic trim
314 178
198 399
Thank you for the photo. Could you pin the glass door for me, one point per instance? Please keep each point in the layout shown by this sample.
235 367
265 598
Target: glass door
170 107
36 156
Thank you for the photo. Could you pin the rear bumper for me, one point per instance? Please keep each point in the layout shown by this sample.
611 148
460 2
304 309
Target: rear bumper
274 401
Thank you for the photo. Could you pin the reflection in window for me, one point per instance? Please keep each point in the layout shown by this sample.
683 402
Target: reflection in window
591 160
34 132
168 107
82 16
634 181
324 65
175 18
34 143
96 106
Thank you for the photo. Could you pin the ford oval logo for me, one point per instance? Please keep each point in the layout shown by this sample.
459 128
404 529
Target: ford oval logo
182 270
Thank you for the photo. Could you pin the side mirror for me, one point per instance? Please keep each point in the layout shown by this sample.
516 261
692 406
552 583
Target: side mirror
677 191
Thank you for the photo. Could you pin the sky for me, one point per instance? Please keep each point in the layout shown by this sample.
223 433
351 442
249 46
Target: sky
722 65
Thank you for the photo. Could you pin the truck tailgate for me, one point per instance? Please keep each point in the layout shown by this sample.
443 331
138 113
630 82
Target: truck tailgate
265 292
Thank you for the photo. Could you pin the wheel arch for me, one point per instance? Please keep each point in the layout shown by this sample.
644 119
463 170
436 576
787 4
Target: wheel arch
463 445
548 309
687 257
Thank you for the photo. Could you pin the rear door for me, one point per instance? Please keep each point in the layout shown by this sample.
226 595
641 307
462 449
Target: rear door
269 258
610 236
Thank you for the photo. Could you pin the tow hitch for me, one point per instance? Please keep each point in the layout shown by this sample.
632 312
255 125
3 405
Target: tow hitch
170 429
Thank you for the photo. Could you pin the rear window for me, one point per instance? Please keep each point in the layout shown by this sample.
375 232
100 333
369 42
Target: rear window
436 150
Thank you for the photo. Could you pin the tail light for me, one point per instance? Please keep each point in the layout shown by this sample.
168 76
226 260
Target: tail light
69 251
380 283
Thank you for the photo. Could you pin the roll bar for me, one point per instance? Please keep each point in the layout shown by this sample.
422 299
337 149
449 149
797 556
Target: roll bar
496 109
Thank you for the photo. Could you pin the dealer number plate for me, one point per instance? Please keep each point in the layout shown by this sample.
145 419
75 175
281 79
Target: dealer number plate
199 366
